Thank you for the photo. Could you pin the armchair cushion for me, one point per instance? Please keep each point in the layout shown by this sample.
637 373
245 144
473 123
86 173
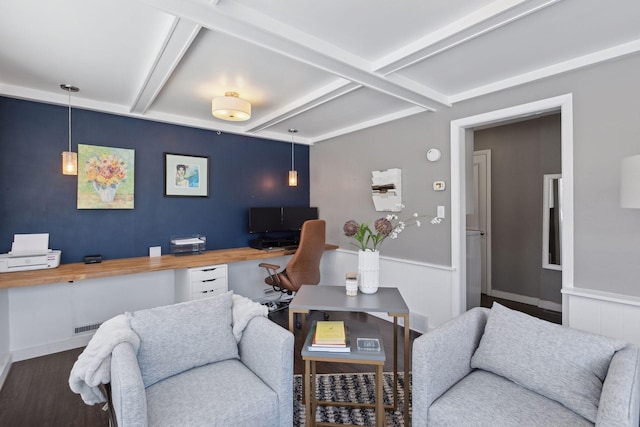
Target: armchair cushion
544 358
486 399
223 406
179 337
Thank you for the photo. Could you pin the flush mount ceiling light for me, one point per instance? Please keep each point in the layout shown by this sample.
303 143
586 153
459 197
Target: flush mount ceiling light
293 173
69 158
231 107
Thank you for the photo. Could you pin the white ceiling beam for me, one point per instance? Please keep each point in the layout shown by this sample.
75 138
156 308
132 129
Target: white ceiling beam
177 42
552 70
255 28
314 99
368 123
482 21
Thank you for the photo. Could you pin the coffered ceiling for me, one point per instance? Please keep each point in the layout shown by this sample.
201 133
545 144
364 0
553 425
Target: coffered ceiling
324 67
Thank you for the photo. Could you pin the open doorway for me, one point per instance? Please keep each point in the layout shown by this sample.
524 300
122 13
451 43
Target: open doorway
510 165
461 153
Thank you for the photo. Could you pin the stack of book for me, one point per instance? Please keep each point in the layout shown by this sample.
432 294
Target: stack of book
330 335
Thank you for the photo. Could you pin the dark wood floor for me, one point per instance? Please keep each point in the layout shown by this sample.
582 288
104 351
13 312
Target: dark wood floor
36 392
541 313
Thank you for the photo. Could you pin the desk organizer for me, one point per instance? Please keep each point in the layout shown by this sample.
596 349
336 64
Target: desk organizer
188 245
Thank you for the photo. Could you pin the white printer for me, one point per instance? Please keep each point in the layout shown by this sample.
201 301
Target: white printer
29 252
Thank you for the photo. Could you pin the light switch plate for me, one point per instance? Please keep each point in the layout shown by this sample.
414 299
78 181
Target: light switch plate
440 211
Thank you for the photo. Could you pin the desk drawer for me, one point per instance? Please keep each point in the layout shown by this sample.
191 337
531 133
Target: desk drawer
200 282
208 273
208 292
217 283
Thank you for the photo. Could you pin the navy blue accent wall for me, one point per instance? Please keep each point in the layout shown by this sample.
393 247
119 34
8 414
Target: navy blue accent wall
36 198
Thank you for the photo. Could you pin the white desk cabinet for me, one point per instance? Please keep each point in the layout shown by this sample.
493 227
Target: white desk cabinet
200 282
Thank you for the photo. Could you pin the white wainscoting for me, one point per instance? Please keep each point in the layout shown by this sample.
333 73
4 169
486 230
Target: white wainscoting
425 287
604 313
42 318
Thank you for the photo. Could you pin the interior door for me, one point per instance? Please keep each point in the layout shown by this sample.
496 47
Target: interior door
480 219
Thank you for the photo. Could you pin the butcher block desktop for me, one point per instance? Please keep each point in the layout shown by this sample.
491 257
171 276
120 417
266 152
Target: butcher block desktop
118 267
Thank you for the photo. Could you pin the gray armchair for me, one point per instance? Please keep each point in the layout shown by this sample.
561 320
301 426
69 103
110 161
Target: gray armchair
500 367
190 370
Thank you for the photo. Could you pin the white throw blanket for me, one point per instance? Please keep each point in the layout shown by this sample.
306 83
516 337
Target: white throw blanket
93 366
243 310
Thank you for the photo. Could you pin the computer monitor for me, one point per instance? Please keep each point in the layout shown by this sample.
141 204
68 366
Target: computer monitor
293 218
265 220
279 219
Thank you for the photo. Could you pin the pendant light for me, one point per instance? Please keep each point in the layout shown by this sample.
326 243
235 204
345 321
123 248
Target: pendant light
69 158
293 174
231 107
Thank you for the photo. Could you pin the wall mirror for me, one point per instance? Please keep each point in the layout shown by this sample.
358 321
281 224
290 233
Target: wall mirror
552 222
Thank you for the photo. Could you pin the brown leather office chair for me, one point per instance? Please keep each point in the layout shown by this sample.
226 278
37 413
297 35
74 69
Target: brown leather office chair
304 266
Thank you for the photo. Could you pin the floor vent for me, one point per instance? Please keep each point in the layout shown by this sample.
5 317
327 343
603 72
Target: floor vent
86 328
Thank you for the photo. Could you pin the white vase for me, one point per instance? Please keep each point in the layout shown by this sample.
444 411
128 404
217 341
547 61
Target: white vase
106 194
368 271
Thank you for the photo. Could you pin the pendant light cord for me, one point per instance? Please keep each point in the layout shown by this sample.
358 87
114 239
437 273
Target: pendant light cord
292 131
292 167
69 90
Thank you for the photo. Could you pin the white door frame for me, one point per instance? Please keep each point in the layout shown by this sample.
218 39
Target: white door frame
460 131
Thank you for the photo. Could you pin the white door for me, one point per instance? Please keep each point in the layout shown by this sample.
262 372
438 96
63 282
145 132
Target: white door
480 219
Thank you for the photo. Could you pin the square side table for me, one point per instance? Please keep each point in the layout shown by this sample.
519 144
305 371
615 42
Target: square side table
364 357
385 300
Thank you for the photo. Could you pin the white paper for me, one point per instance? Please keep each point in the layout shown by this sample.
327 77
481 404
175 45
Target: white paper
30 242
192 241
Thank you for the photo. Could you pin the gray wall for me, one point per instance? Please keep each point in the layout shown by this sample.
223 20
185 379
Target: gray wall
521 153
606 102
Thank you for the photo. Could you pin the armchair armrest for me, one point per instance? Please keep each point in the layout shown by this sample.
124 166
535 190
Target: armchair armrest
442 357
267 349
620 398
128 395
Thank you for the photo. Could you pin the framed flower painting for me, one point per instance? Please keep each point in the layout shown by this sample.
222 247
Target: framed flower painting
185 175
105 177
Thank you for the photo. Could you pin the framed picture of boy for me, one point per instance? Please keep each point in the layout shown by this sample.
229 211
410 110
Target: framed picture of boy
186 175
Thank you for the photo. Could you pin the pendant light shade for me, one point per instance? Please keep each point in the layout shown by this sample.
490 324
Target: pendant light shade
230 107
69 163
69 158
293 178
293 174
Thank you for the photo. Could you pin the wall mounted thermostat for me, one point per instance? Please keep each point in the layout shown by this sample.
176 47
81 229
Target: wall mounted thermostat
438 186
433 154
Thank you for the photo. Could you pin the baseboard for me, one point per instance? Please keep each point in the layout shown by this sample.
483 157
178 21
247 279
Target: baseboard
55 347
550 305
546 305
5 366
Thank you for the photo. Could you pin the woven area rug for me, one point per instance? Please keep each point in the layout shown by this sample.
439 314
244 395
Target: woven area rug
350 388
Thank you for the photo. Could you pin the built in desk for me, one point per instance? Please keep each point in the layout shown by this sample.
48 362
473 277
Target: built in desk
118 267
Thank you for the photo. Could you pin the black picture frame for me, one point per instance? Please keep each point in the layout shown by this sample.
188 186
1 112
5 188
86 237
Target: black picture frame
186 175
